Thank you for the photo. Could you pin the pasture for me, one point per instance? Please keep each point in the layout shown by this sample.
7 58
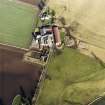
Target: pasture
16 20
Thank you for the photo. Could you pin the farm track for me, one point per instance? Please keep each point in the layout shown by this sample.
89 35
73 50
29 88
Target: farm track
32 2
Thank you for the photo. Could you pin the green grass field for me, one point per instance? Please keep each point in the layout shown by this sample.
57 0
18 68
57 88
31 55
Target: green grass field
75 79
16 19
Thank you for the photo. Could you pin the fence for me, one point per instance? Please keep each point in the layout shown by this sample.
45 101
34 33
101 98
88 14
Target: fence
41 80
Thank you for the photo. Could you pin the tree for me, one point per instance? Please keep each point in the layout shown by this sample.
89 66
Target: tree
53 13
19 100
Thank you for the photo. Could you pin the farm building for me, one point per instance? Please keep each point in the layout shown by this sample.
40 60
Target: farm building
42 37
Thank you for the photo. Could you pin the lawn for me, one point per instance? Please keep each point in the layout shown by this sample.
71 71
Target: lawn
16 19
73 79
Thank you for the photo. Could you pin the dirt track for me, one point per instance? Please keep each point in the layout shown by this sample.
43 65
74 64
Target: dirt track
33 2
15 73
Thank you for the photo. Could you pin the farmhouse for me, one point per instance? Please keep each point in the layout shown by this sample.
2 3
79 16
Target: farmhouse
42 37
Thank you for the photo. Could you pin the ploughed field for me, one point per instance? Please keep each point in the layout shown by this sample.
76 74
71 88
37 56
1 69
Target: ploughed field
16 74
16 20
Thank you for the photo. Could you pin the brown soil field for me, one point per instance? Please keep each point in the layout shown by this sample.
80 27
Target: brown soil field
33 2
14 73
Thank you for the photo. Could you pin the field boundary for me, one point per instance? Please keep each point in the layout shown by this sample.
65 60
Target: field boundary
26 3
13 48
39 86
41 80
84 41
97 99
